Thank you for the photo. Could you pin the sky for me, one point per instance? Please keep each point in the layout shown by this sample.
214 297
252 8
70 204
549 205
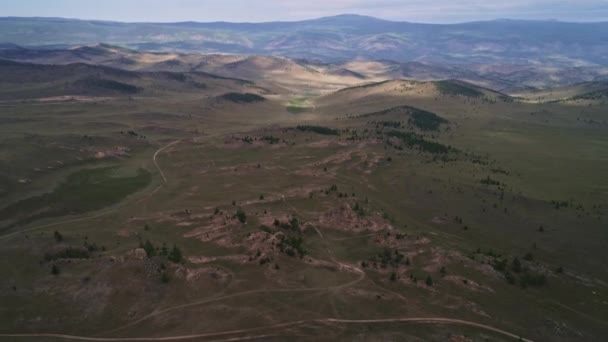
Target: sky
430 11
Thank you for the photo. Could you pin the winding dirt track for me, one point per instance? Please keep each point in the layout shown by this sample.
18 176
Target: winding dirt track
156 154
246 293
418 320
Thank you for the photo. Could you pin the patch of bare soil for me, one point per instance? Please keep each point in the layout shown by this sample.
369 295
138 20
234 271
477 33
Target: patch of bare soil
269 219
263 244
205 273
438 220
259 245
467 283
346 219
206 260
440 258
328 265
137 253
299 192
369 162
124 233
395 240
327 143
459 338
116 152
217 230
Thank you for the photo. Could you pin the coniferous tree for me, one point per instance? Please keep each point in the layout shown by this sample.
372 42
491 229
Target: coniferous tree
149 248
175 255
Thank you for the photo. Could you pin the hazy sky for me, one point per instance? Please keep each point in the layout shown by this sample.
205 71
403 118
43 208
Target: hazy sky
436 11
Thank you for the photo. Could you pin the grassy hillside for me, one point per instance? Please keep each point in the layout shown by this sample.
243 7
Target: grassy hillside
25 80
395 210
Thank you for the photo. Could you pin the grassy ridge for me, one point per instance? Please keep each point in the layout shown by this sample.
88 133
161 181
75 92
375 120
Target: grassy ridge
594 95
453 88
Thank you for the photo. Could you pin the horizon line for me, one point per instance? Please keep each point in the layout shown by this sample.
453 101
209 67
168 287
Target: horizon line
304 20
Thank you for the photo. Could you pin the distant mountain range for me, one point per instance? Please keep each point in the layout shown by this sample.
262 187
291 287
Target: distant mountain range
339 38
287 73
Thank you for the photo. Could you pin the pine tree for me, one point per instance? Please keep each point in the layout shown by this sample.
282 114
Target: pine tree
149 248
175 255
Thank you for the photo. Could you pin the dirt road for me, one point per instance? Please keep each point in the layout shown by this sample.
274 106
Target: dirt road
416 320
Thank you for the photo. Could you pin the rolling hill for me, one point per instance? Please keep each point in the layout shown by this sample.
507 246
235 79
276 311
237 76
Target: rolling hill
172 196
289 73
38 81
344 37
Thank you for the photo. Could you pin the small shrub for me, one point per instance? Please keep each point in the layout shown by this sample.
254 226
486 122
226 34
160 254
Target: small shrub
516 265
58 236
241 216
55 270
